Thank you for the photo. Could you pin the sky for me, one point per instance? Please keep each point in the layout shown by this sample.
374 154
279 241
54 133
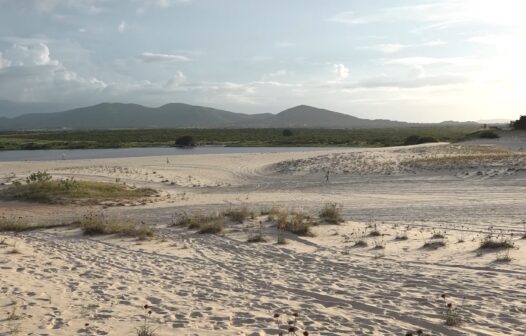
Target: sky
421 61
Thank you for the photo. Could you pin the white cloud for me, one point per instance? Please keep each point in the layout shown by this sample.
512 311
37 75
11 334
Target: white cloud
278 73
85 6
149 57
421 61
391 48
122 26
341 71
29 73
4 63
30 54
176 81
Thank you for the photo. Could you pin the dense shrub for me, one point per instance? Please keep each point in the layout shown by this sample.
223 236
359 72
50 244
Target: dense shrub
185 141
519 124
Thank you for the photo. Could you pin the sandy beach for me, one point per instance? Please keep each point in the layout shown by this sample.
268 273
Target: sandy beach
398 202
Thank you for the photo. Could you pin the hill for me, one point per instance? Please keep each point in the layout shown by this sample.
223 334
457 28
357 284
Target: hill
177 115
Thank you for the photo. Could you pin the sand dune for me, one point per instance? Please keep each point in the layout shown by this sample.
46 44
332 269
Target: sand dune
64 283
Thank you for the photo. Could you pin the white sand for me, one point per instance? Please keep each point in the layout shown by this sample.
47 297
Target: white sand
221 285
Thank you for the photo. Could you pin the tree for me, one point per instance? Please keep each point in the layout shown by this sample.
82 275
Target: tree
287 132
519 124
185 141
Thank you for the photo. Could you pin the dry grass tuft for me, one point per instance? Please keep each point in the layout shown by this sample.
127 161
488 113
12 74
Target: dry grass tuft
96 223
240 214
295 222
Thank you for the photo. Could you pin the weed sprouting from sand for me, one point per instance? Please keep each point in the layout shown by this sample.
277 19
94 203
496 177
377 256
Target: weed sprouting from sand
97 223
375 232
451 313
146 329
292 327
331 213
503 256
379 244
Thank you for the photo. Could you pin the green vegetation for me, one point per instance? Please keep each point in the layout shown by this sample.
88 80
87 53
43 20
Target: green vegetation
40 187
227 137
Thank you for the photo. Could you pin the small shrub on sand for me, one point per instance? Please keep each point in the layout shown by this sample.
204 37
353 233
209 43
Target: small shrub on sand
331 213
295 222
239 215
360 243
213 223
492 241
39 187
96 223
434 244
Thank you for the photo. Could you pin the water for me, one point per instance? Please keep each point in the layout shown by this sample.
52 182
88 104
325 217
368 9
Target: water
77 154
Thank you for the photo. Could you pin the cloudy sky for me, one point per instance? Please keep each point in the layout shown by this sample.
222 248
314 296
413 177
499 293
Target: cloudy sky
407 60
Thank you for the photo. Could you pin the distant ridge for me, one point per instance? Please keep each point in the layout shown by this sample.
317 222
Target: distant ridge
178 115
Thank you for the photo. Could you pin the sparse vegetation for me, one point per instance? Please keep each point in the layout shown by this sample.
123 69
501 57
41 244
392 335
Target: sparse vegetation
40 187
331 213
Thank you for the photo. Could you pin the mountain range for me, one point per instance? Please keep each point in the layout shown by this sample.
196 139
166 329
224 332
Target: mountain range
178 115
